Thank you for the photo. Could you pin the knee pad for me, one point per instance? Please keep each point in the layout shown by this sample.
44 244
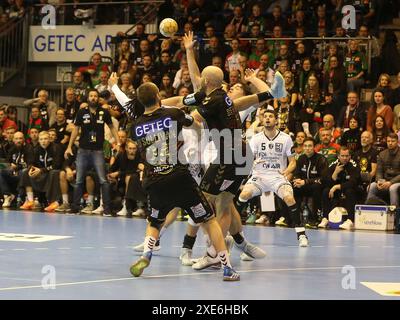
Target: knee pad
285 191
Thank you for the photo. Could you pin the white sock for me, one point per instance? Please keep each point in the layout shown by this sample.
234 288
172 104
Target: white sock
224 258
65 198
90 199
29 196
149 243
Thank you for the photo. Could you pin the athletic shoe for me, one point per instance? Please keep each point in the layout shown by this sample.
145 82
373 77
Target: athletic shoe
139 213
88 209
8 200
107 213
278 87
137 268
186 257
229 243
140 247
230 274
245 257
324 223
251 219
251 250
65 207
207 262
347 225
36 205
123 212
53 206
28 205
281 222
262 220
99 210
303 240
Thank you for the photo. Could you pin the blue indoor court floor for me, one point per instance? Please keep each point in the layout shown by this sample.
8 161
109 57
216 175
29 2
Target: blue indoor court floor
90 259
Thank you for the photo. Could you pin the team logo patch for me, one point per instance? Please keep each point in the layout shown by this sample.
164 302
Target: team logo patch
278 147
228 101
225 185
198 210
271 146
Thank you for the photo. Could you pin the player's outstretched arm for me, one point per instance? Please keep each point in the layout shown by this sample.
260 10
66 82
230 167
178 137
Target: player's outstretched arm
194 70
250 76
176 102
119 95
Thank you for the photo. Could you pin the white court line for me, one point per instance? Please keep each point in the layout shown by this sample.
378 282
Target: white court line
317 246
64 284
109 247
18 249
86 247
41 248
364 246
340 246
66 248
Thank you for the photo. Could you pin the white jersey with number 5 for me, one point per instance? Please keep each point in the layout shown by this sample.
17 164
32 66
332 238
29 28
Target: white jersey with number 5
271 155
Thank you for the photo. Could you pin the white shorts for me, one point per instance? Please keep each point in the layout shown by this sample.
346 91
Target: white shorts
268 182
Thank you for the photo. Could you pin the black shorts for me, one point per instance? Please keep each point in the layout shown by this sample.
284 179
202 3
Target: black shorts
222 177
180 190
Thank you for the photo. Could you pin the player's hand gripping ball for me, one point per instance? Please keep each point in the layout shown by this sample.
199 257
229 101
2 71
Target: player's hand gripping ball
168 27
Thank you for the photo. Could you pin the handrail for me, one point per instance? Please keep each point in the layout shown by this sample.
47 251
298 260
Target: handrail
143 18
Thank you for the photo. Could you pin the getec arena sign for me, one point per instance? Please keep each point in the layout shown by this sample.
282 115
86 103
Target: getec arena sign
71 43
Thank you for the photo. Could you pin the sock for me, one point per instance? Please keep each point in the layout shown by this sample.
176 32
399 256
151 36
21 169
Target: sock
65 198
210 248
30 196
295 214
240 204
238 237
224 258
188 242
90 199
149 243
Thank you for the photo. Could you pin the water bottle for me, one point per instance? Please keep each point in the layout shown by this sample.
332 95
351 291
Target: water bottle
306 213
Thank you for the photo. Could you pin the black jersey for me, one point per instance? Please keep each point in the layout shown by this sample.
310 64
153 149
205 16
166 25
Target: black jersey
157 136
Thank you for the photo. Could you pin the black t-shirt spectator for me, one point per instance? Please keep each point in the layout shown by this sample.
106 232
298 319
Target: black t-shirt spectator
92 127
61 131
365 159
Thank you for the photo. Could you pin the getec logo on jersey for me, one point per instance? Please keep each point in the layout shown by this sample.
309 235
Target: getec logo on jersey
152 127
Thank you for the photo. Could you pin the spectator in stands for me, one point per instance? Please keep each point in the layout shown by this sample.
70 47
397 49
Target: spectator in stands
185 81
234 77
238 20
273 45
144 50
384 85
91 120
126 85
390 55
380 131
298 144
307 180
355 67
299 21
199 12
352 138
166 66
335 83
388 173
303 75
379 107
375 50
298 56
329 124
95 68
124 68
80 86
103 85
60 127
70 105
47 108
43 175
342 178
354 108
13 116
310 114
256 18
327 148
147 67
283 54
182 91
166 88
366 159
36 121
124 52
322 21
33 138
230 32
277 19
5 123
232 59
285 115
308 44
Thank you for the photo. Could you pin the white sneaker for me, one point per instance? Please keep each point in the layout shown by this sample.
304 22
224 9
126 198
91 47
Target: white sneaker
123 212
8 200
303 241
99 210
347 225
263 219
140 248
278 87
245 257
88 209
139 213
206 262
324 223
251 250
186 257
281 222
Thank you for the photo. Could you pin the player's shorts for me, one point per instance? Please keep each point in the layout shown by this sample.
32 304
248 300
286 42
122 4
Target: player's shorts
178 189
268 182
221 177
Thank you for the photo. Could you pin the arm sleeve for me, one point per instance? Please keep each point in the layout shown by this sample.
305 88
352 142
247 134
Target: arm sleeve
119 95
194 98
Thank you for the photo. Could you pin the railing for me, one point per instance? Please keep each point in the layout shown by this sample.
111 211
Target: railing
13 49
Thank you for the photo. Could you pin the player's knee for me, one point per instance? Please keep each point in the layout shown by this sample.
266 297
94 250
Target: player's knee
156 224
289 200
223 202
246 194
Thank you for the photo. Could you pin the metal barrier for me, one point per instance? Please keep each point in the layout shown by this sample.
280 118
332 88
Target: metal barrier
13 49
